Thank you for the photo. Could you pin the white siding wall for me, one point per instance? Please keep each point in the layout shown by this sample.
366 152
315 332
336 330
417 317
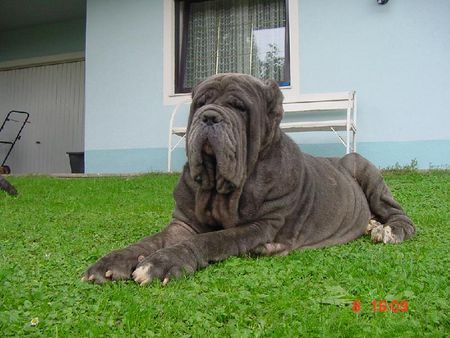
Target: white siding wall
54 97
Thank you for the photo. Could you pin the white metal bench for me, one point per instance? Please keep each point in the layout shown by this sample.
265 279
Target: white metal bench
343 102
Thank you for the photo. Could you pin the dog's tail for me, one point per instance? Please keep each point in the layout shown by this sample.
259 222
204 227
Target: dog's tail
8 187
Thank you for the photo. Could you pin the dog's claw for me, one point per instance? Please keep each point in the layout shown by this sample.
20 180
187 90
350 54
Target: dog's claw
108 274
389 236
380 233
141 275
165 281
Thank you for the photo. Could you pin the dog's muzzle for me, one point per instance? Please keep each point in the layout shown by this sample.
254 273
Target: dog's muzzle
210 117
212 150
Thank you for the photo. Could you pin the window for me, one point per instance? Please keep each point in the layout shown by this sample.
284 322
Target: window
219 36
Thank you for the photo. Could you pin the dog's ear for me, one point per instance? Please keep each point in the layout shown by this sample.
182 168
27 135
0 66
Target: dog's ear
274 98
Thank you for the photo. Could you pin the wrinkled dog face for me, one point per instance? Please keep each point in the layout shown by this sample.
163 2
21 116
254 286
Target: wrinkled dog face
217 140
220 141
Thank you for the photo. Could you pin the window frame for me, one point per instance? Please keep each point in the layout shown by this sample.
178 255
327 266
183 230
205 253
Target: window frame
171 97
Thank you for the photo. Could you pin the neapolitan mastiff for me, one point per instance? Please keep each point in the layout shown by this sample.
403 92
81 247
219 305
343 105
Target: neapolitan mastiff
247 187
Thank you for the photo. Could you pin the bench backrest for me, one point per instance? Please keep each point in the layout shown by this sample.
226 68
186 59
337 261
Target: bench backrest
320 102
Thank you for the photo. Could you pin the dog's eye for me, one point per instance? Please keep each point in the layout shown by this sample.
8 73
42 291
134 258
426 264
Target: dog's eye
200 102
237 104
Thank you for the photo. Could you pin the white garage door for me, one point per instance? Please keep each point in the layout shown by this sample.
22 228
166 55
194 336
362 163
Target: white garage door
54 97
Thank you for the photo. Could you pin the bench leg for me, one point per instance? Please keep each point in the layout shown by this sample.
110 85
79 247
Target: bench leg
348 141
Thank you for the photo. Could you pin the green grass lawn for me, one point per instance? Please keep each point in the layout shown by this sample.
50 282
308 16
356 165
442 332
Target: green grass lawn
57 227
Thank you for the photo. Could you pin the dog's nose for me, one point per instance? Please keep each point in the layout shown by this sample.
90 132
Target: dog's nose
211 117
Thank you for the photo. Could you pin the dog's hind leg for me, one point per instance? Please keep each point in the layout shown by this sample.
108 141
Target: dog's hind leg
394 225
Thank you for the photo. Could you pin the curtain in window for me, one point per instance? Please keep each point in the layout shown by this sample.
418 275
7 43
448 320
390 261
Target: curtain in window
244 36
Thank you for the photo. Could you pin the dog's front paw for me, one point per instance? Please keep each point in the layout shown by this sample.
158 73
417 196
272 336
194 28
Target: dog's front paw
165 264
117 265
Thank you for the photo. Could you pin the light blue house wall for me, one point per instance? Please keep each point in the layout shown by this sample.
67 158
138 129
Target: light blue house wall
126 121
395 56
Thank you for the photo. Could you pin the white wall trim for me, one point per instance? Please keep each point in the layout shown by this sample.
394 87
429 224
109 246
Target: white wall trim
42 61
290 93
170 98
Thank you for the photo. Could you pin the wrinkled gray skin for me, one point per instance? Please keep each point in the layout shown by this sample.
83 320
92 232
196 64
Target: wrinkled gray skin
247 187
8 187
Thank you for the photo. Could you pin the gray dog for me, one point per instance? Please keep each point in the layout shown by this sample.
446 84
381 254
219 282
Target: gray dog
247 187
8 187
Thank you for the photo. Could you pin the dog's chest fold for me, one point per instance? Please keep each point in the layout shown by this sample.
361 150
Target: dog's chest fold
217 210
